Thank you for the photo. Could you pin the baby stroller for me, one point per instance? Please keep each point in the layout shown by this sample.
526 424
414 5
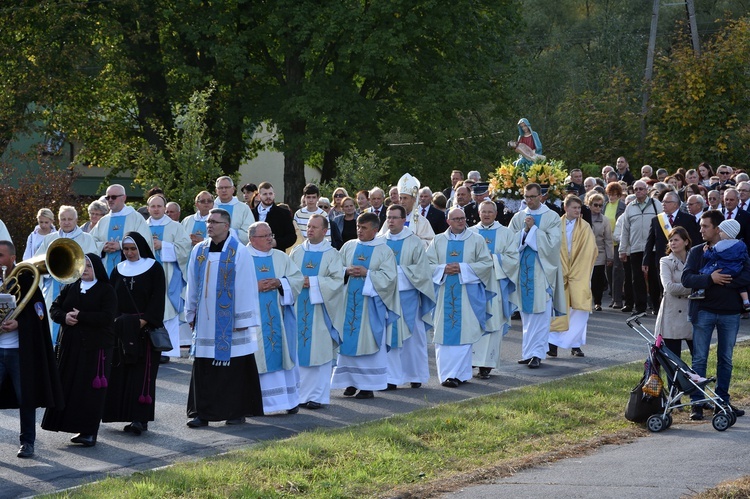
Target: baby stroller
683 381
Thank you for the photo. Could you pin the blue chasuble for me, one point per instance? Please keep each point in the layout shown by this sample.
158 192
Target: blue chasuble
526 274
115 233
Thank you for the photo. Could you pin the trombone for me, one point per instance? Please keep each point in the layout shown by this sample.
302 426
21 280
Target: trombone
64 261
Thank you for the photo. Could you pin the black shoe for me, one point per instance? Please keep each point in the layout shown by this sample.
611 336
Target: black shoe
86 440
26 450
451 383
136 428
598 308
293 410
163 359
350 390
390 387
737 412
197 423
626 309
697 413
416 385
228 422
576 352
365 394
535 363
515 316
524 361
313 405
484 372
552 352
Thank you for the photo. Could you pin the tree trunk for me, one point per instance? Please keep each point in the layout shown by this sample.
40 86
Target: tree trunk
294 179
329 170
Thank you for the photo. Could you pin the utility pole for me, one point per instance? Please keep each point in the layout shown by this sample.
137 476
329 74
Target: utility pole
649 69
690 5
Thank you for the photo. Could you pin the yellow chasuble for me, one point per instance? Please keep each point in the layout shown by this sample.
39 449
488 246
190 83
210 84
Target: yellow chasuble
576 269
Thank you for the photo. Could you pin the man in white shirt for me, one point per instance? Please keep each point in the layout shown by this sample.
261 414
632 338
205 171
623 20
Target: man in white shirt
241 215
113 226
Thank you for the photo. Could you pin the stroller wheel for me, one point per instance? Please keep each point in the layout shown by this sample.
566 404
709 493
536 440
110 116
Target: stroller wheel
656 423
732 418
720 422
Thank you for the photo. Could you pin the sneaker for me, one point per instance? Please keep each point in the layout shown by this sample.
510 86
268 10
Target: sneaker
746 306
698 294
737 412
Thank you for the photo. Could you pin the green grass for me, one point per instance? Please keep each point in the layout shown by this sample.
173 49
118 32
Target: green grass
409 452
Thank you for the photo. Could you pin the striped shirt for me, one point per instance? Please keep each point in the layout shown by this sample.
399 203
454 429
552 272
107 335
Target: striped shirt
302 216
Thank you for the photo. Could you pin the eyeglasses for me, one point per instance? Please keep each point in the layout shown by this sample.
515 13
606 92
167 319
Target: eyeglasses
324 206
639 188
458 219
205 201
339 195
723 173
270 236
531 197
596 205
113 197
214 222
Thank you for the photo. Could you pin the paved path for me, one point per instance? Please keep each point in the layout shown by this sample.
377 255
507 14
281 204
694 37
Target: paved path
59 464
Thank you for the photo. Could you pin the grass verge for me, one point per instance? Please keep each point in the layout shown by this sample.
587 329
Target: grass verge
421 453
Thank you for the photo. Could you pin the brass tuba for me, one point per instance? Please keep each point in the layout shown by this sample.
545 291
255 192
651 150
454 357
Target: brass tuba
64 261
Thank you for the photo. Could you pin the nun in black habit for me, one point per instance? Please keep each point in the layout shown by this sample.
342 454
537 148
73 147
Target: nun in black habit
141 289
86 311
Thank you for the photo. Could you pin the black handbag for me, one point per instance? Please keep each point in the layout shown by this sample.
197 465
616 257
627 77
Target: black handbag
159 336
160 339
640 406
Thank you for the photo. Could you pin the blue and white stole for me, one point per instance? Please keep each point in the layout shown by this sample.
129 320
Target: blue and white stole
115 232
174 286
224 302
229 208
306 310
270 323
452 299
355 303
526 274
199 228
408 296
506 287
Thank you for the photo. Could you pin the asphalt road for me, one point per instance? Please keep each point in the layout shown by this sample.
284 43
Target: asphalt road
59 464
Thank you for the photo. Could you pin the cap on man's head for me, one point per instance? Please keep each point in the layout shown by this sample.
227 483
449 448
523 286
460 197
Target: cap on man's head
480 188
730 228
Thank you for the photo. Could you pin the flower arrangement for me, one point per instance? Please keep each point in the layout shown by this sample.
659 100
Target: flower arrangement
509 180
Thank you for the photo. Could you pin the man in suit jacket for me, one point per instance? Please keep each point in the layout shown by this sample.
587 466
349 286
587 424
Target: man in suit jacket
623 171
279 219
463 201
733 211
433 215
481 192
656 243
377 198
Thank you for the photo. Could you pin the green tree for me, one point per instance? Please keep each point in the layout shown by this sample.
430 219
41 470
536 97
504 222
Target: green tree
188 162
699 106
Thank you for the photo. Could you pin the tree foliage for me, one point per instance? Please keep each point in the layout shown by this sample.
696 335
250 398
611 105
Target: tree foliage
188 163
42 186
699 105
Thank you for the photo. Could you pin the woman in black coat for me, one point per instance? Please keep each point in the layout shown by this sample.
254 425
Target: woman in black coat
141 289
86 312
